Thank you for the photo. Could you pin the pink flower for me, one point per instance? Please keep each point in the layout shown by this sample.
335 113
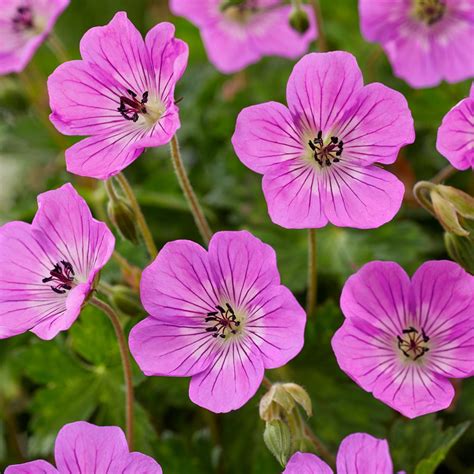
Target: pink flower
358 453
456 134
121 93
241 35
48 268
318 155
83 448
426 41
220 317
24 25
402 340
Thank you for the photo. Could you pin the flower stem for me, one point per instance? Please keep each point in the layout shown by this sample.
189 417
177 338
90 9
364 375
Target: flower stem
312 273
57 47
196 210
127 367
422 191
322 43
141 221
444 174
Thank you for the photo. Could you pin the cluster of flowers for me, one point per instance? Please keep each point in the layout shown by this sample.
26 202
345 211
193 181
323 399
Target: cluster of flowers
221 316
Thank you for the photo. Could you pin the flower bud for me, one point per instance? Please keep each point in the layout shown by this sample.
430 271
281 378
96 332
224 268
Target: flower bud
281 400
299 19
461 249
231 3
446 214
123 218
278 440
126 301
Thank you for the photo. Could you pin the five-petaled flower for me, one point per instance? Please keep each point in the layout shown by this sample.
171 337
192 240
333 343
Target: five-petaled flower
318 156
48 268
238 35
456 134
83 448
358 453
402 340
426 40
121 93
24 25
220 316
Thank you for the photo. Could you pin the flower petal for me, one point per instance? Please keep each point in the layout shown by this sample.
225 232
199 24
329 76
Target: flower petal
171 346
375 125
443 296
200 12
379 294
361 197
33 467
306 463
138 463
104 156
360 452
233 377
320 87
85 448
295 196
265 137
243 266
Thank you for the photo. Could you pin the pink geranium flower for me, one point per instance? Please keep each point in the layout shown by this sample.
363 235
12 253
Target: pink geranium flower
426 41
358 453
403 340
456 134
48 268
83 448
318 155
121 93
220 317
24 25
237 36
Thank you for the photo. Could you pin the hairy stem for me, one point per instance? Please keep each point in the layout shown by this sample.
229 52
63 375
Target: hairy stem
444 174
127 367
312 273
186 187
141 221
57 47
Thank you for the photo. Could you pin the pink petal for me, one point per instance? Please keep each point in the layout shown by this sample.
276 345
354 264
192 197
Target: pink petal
200 12
363 198
455 139
360 452
242 265
306 463
375 125
33 467
379 294
265 137
137 463
320 87
233 377
295 196
172 346
104 156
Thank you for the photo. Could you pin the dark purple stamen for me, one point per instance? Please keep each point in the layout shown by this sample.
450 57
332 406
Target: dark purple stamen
62 275
326 155
23 19
224 320
430 11
131 107
412 343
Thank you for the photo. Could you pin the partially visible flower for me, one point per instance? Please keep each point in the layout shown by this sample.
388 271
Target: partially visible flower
238 35
220 317
24 25
456 134
83 448
426 41
121 93
403 340
48 268
318 156
358 453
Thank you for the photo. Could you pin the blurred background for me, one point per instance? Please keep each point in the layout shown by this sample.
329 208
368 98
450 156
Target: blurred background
78 375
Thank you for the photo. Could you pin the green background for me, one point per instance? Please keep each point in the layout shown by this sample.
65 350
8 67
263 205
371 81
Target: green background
77 376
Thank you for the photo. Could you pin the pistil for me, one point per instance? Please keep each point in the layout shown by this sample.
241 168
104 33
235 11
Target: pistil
413 343
62 277
325 154
224 321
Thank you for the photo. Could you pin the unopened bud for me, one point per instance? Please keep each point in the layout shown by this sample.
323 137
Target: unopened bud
447 215
462 202
299 19
126 301
281 400
123 218
231 3
461 250
278 440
